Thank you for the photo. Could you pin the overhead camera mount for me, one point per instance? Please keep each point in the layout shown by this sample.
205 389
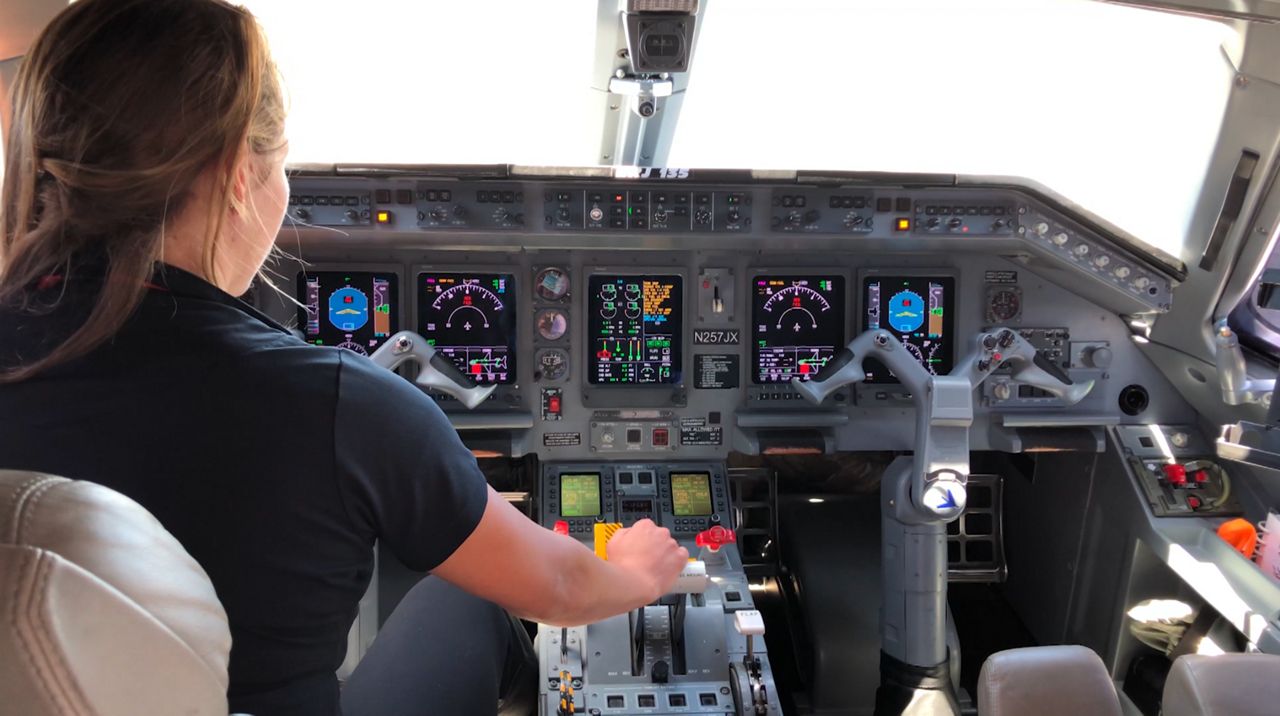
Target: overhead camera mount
644 52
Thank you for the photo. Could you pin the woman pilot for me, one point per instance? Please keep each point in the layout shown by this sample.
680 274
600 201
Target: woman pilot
143 189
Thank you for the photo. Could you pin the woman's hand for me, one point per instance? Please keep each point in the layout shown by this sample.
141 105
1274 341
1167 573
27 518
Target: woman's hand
648 553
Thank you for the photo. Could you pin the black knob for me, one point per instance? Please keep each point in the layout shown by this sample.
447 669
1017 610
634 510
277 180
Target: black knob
794 218
660 672
1006 339
955 223
934 222
439 214
302 214
989 341
811 216
563 214
352 214
459 210
734 216
702 216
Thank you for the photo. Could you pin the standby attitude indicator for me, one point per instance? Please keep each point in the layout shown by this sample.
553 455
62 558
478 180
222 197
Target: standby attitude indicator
798 325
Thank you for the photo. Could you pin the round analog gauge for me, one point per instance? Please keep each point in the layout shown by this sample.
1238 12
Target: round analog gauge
552 324
554 364
551 284
1004 304
354 347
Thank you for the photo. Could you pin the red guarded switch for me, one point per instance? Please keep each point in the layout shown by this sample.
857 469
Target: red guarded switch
661 437
1175 474
553 405
562 527
715 538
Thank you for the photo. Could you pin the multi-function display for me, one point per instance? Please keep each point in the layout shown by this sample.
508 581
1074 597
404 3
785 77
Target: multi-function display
797 325
580 495
356 310
691 494
472 319
918 310
635 324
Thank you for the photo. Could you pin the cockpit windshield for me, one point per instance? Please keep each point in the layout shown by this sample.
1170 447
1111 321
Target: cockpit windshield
1114 107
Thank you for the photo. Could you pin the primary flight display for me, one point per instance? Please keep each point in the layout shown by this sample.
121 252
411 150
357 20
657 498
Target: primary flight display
355 310
918 311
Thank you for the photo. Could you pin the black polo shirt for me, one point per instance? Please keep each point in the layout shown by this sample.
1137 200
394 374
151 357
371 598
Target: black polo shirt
277 464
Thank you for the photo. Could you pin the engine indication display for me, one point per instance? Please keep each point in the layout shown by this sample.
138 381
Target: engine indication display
355 310
919 311
797 325
636 327
471 319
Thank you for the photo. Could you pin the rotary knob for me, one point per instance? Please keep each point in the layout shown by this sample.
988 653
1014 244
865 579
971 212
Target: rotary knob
1098 357
1002 391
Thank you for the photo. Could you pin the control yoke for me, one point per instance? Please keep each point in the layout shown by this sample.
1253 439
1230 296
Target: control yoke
944 404
435 370
1233 376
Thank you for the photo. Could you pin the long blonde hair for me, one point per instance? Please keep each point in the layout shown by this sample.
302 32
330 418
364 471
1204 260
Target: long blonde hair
117 110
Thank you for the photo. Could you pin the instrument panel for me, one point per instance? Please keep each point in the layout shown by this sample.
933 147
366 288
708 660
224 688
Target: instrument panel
621 320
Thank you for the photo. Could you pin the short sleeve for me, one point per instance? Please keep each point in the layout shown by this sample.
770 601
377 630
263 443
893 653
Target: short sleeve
401 467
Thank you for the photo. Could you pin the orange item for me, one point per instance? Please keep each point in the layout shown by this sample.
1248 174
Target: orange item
1240 534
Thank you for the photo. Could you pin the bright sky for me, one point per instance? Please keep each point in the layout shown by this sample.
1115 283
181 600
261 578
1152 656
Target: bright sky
1114 107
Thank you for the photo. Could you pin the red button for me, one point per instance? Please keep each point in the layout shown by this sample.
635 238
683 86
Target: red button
660 437
553 406
562 527
1201 476
1193 502
1175 474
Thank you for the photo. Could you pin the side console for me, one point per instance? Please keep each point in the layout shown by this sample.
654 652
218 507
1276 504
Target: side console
700 650
1177 471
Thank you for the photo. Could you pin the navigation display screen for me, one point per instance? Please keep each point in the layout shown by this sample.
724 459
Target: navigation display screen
691 494
472 319
580 495
919 311
636 327
356 310
797 325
